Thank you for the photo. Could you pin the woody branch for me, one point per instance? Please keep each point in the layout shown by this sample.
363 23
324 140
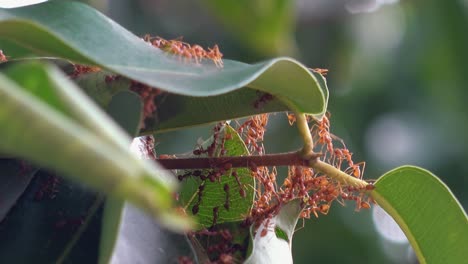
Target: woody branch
279 159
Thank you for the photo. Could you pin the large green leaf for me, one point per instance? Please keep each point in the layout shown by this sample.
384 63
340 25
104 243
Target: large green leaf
15 176
48 221
128 234
125 108
176 111
214 194
79 139
427 212
78 33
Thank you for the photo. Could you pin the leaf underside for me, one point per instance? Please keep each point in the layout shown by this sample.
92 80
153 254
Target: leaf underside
45 30
428 213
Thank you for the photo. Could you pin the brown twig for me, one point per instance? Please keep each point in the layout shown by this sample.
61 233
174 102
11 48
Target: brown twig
279 159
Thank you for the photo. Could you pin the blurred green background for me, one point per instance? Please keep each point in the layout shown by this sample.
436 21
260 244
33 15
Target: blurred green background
397 81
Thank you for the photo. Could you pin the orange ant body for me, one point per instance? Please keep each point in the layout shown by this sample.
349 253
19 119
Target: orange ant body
254 129
291 118
148 95
225 259
242 191
198 53
355 169
184 260
79 69
370 186
184 50
324 133
321 71
266 227
148 147
3 57
215 55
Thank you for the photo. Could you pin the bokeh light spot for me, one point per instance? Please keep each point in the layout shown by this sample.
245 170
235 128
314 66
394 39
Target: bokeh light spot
386 226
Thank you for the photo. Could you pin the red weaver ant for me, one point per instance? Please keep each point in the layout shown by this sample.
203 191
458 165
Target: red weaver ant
195 209
196 206
215 215
48 188
242 192
185 50
262 99
3 58
266 227
184 260
226 190
323 72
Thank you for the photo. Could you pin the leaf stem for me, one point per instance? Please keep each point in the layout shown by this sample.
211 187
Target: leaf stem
308 151
337 174
304 130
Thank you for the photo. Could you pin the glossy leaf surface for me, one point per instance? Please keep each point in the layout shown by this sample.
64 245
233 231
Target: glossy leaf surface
47 221
57 29
427 212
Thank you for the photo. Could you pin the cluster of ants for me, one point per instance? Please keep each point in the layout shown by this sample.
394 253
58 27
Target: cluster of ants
335 156
190 53
214 175
220 244
253 131
79 69
315 190
148 95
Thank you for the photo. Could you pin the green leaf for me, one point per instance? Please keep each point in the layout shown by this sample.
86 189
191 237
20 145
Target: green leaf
112 221
178 111
15 176
79 139
214 195
427 212
46 30
125 108
47 221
